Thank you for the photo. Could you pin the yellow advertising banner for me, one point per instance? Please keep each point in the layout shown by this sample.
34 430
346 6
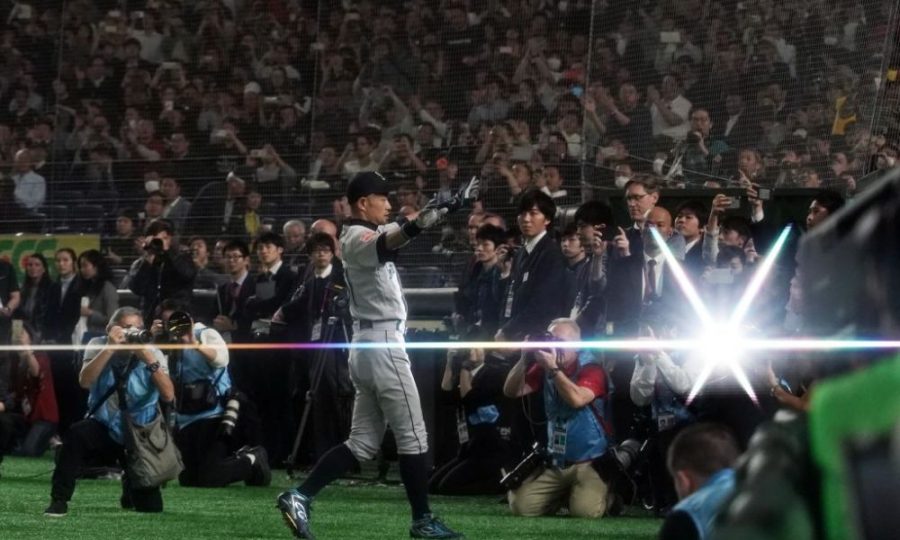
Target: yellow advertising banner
15 248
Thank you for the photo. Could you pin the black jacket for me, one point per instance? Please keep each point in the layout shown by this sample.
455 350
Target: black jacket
235 309
537 286
171 276
314 300
62 313
284 282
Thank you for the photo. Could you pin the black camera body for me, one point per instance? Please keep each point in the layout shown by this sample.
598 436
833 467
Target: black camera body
543 337
137 336
180 324
537 457
155 247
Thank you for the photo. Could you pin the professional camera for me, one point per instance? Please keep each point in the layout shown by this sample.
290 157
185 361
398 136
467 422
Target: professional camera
179 325
538 457
231 414
154 247
542 337
137 336
337 301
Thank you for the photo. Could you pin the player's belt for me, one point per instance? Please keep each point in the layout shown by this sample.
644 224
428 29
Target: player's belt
390 324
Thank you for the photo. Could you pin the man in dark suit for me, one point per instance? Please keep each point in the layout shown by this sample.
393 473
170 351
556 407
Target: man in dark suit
539 270
308 318
738 128
231 319
690 220
219 209
271 388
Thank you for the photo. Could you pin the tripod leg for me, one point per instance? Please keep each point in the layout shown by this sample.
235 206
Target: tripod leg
319 358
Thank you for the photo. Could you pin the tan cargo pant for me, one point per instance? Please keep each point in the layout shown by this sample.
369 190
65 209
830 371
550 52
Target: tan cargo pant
578 486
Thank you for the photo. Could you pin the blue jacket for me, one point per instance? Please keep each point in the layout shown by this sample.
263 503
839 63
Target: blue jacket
704 505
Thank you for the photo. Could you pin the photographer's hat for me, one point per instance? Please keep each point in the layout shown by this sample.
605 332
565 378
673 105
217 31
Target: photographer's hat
367 183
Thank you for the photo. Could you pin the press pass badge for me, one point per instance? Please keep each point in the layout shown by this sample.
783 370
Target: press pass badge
462 429
316 331
558 441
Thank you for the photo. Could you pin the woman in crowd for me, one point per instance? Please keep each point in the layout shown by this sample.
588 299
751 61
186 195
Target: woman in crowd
63 311
97 286
35 292
28 413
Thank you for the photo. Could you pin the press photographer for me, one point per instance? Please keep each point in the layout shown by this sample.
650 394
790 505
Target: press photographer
575 392
136 379
163 273
318 311
207 407
477 389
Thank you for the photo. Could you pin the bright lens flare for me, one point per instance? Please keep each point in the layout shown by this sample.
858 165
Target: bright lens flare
722 343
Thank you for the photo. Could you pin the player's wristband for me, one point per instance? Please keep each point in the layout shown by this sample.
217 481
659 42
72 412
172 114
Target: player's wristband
411 230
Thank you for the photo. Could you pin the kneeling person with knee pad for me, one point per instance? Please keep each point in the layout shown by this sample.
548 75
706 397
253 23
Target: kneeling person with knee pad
209 449
575 392
118 368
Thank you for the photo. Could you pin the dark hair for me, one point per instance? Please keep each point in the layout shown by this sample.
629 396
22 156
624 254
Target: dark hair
92 287
44 278
704 449
491 233
68 250
158 226
536 197
694 207
570 230
237 245
594 213
198 239
320 239
829 199
738 224
171 304
270 238
157 193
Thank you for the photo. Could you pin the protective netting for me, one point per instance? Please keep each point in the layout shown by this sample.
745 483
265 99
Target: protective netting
121 104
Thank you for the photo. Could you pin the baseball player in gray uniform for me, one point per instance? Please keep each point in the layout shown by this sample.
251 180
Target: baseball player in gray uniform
386 393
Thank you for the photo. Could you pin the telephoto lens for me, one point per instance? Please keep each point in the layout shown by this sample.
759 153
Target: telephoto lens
136 335
230 417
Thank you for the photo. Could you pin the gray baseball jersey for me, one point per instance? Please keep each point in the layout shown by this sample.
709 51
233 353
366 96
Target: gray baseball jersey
386 392
375 291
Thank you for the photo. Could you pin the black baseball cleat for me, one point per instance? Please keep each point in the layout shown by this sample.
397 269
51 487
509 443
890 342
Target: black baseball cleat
57 509
294 508
430 526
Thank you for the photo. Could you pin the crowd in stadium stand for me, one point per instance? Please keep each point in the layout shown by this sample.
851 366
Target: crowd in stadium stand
228 130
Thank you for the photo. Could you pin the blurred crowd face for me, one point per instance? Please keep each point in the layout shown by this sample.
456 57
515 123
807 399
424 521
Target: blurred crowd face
65 266
571 247
485 252
639 201
687 224
235 262
34 269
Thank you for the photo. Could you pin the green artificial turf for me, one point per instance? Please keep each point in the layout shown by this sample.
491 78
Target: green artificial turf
347 510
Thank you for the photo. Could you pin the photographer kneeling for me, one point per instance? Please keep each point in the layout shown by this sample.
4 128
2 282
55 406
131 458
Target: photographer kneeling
206 407
140 376
575 392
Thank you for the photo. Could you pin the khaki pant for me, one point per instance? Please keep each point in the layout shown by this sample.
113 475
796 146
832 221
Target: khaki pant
545 492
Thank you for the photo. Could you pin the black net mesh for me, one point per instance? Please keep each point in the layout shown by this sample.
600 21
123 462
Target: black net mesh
124 106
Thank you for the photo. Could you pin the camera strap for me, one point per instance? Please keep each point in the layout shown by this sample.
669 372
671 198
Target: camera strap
115 387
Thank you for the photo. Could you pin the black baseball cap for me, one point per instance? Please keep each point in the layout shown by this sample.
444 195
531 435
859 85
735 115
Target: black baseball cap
367 183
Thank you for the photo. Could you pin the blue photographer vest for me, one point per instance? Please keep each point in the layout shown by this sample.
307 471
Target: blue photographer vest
667 403
195 367
704 505
586 439
141 394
